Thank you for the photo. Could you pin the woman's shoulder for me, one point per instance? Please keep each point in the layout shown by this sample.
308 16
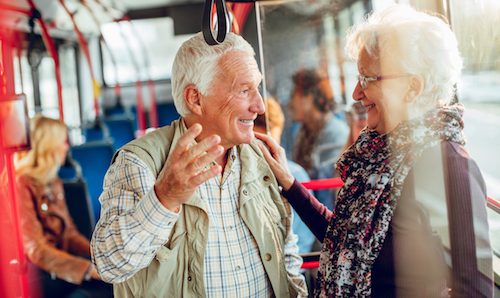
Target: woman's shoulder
25 181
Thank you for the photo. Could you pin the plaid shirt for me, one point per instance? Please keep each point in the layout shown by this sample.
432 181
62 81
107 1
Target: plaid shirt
134 225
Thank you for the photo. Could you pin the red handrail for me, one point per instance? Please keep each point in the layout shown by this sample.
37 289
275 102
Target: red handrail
117 88
330 183
86 53
323 183
51 47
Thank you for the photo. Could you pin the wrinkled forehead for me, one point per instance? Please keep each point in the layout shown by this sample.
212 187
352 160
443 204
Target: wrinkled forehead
238 65
381 60
386 50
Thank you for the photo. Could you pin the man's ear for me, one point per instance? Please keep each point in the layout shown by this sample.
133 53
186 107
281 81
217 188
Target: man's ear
192 98
415 88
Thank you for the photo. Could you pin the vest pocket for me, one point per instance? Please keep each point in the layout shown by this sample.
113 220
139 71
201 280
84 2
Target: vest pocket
163 254
166 250
273 215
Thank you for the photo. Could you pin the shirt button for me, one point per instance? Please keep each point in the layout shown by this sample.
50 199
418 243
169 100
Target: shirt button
245 192
238 268
268 257
190 278
233 157
267 178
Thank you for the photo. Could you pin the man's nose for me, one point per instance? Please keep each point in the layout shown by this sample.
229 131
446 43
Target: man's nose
258 104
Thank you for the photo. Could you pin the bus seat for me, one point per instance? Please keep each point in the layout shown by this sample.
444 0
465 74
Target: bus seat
70 170
79 206
115 110
121 129
97 131
94 158
166 113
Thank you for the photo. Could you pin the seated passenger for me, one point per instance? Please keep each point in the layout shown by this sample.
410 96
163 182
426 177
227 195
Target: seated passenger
192 209
322 135
276 121
58 253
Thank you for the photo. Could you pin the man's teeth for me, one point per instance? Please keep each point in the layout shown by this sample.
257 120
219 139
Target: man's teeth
247 121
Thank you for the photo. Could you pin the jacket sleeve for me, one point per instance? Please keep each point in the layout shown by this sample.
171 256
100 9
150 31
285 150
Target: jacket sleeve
133 224
470 247
77 243
314 214
39 250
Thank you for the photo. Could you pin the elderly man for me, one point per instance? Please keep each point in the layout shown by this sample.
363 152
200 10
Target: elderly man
192 209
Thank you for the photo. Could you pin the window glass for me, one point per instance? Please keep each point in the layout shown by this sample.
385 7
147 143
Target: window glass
140 56
48 88
476 25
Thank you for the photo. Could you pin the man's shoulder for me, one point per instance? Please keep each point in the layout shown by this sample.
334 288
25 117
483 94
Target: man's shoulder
153 147
156 137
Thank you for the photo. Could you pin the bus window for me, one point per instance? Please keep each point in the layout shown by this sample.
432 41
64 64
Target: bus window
157 37
476 26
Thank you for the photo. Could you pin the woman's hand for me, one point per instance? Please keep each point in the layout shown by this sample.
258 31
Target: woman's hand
276 158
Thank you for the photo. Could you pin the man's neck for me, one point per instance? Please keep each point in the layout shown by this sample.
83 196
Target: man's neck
222 160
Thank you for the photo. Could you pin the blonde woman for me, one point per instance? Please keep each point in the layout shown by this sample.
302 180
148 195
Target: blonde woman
51 240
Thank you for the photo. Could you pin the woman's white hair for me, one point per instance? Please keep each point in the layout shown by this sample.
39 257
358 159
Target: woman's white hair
196 63
420 43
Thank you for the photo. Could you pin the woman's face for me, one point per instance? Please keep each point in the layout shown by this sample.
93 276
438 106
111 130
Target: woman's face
385 99
61 151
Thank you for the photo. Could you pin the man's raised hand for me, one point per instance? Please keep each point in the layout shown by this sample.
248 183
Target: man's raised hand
189 165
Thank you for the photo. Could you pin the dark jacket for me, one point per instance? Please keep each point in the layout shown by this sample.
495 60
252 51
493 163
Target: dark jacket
438 235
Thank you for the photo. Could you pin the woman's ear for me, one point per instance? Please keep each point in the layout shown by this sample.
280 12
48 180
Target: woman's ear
192 98
415 88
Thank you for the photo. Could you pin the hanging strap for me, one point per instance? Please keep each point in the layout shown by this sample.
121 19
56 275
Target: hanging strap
222 21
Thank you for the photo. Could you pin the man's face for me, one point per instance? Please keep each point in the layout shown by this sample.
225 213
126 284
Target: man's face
234 101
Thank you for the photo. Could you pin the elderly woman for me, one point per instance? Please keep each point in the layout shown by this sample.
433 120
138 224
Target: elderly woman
52 242
322 135
410 220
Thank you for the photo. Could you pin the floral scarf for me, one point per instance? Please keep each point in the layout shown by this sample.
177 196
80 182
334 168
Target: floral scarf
373 170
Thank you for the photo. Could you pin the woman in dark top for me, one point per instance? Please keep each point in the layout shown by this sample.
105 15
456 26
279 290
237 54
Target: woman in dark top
410 220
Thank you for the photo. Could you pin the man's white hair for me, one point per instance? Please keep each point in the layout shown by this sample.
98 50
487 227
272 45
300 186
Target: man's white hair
421 44
197 63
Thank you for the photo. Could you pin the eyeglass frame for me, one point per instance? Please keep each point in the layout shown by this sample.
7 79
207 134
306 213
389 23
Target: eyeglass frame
364 80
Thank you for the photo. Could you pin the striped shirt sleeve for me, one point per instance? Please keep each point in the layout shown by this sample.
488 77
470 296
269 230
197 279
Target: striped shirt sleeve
133 224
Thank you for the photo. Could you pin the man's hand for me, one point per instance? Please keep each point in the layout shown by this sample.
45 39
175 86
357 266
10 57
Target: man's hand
187 167
94 274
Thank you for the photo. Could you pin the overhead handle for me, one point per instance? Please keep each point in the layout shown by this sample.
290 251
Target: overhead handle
222 22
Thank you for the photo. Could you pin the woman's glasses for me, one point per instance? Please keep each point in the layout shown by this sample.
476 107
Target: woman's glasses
363 80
